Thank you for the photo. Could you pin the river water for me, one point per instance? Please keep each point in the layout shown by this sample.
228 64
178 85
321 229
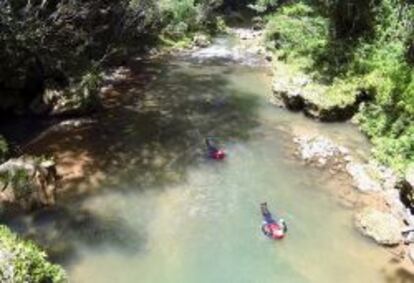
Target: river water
162 212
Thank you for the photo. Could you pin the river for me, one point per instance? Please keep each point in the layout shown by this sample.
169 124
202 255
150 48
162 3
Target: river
161 212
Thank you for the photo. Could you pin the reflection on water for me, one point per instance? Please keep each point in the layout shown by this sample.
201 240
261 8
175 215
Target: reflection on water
163 213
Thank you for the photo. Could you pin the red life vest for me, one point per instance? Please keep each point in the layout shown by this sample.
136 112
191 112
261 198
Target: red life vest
274 231
218 155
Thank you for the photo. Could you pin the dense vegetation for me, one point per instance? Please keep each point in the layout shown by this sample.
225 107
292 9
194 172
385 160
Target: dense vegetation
22 261
356 46
51 49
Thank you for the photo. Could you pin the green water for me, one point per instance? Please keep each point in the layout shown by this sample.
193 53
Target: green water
166 214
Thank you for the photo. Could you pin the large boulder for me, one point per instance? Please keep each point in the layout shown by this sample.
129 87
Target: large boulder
382 227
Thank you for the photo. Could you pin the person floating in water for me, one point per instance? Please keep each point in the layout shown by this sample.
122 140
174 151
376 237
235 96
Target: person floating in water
213 151
270 227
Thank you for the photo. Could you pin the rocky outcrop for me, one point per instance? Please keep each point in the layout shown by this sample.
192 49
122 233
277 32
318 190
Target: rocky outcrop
321 151
28 181
382 227
366 177
299 92
372 177
334 113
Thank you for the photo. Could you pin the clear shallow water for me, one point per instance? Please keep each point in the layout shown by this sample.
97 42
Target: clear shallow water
166 214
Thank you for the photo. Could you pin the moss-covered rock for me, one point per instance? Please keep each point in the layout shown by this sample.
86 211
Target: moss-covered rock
22 261
298 92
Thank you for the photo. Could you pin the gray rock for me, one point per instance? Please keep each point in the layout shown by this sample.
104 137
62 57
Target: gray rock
382 227
363 176
320 150
397 208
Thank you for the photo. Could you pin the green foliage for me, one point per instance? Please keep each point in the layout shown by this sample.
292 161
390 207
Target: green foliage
263 6
183 17
22 261
51 44
296 31
4 148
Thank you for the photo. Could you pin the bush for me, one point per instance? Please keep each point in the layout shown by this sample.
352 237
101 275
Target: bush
22 261
3 149
296 31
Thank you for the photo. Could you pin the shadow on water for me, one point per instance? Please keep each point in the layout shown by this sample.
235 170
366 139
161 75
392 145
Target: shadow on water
400 275
60 229
151 131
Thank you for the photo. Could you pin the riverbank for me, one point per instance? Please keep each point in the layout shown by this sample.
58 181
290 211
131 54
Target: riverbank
372 189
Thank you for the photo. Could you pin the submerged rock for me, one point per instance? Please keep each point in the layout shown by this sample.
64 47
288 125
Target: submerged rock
382 227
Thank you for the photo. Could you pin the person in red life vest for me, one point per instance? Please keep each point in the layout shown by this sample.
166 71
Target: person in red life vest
213 151
273 229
